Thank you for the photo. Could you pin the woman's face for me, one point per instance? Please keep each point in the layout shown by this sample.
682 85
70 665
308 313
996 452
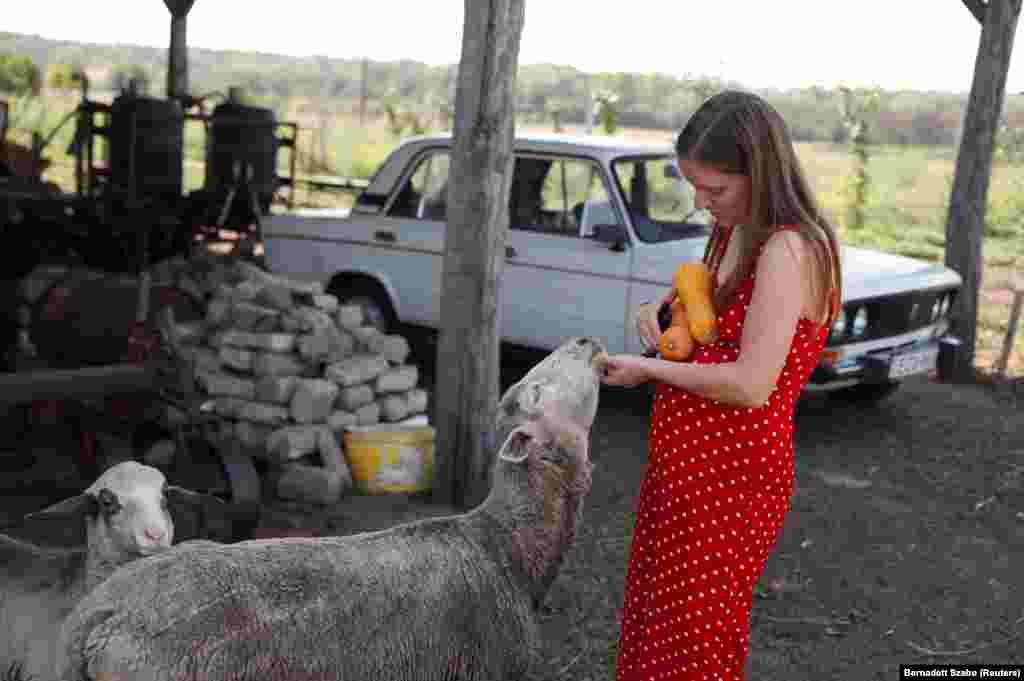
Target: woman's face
726 195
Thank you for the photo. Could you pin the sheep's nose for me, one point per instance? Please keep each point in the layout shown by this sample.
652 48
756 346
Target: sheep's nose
153 534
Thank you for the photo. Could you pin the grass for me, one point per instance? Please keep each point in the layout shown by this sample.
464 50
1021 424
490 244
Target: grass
906 210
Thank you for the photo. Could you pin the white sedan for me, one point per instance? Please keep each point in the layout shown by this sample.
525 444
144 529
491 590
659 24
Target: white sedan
596 225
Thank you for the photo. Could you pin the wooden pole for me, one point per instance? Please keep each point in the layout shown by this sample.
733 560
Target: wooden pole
965 221
468 351
1011 333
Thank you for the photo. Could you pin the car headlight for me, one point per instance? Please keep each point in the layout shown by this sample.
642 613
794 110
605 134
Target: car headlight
937 309
839 325
947 300
860 322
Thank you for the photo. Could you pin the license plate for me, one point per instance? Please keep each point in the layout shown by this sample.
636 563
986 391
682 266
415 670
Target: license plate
913 362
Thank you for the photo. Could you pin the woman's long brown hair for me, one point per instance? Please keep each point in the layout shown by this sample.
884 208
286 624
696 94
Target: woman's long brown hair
740 133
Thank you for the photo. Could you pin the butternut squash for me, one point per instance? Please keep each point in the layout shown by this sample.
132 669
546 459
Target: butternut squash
692 283
675 343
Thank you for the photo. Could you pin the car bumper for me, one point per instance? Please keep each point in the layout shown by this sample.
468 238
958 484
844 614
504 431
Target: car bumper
886 359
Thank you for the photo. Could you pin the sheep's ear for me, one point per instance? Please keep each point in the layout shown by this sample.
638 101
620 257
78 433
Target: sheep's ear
76 506
514 449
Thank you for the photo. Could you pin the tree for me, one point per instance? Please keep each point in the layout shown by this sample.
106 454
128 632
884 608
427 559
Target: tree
965 221
468 352
19 75
61 76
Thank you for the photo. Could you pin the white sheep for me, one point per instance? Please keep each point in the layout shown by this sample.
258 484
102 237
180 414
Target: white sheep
442 598
126 517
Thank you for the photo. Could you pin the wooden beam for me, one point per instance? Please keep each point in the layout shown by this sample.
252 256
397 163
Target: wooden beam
965 222
468 351
977 8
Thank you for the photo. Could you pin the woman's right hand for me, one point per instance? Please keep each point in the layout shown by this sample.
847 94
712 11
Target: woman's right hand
647 323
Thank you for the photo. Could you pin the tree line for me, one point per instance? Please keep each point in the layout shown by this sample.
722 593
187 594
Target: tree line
544 92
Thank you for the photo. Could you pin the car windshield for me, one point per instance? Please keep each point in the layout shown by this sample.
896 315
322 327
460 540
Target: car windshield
659 199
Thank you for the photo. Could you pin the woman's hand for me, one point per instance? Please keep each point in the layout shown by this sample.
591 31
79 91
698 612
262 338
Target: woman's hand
647 322
625 370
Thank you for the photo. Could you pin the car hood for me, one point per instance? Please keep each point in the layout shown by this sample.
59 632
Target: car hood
866 273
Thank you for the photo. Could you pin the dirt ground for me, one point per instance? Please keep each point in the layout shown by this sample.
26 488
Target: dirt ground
905 541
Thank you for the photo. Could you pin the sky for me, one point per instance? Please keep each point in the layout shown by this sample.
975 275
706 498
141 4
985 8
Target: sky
892 44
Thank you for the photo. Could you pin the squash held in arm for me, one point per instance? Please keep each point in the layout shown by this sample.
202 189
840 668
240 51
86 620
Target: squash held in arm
692 284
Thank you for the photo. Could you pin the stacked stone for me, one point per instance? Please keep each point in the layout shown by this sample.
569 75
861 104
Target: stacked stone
290 370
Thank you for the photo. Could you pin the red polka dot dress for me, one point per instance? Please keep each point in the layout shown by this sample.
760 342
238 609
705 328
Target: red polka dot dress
718 483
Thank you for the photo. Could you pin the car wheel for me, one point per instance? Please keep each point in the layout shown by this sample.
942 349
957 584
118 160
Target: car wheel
371 299
866 393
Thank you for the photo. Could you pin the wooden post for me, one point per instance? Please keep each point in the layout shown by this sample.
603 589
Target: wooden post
965 221
1011 334
468 352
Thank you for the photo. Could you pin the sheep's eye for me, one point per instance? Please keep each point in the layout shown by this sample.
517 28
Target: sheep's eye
108 501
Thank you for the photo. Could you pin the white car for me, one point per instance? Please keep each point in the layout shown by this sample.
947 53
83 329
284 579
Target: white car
596 225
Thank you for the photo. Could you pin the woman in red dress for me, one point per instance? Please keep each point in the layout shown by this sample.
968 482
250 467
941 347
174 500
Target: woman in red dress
720 465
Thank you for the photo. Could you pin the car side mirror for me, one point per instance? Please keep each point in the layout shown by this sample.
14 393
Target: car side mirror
614 235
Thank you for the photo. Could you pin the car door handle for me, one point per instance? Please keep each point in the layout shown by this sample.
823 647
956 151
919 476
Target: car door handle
384 236
510 252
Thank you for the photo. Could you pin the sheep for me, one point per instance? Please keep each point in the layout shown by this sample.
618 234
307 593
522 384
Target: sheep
126 517
439 598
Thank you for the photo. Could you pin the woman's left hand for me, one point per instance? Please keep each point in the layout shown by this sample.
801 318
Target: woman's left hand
625 370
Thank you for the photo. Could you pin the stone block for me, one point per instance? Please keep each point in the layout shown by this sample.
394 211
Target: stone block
393 408
350 317
339 420
368 414
305 319
236 358
353 397
397 380
225 385
313 400
275 342
360 368
365 337
393 347
267 363
254 436
276 296
417 400
293 442
260 412
326 302
275 389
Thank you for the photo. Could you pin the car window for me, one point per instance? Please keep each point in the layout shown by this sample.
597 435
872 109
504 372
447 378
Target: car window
659 199
563 197
424 193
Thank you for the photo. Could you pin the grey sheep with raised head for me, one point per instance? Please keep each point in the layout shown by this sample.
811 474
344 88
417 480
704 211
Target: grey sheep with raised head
441 598
126 517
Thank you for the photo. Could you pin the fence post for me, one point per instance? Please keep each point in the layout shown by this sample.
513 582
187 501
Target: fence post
1011 332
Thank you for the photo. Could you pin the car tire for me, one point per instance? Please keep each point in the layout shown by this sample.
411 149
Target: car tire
865 393
371 298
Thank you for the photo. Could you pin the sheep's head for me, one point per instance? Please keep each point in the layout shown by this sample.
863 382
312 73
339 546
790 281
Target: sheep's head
544 463
568 379
125 512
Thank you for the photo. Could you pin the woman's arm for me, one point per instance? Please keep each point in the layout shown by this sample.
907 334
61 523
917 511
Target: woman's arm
772 315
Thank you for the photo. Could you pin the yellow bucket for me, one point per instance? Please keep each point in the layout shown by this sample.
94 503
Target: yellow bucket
389 459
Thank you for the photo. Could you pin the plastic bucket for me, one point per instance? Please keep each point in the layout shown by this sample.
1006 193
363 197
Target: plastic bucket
390 459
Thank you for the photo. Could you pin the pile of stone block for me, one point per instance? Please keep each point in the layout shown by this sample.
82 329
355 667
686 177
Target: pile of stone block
289 369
